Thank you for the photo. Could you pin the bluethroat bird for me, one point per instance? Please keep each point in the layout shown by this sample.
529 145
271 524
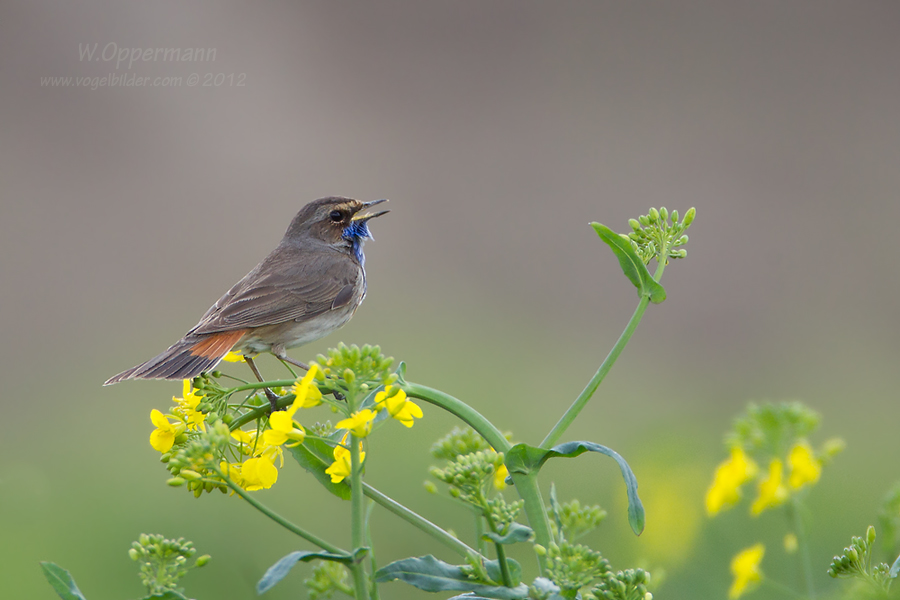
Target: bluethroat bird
307 287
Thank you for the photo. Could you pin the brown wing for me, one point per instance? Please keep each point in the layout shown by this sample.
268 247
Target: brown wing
289 284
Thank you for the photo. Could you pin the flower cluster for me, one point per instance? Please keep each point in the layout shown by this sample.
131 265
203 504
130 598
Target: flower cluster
652 235
858 562
773 435
207 440
163 561
776 436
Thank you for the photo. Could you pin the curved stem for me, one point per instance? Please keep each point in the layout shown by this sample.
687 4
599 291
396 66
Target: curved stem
324 545
421 522
462 410
570 415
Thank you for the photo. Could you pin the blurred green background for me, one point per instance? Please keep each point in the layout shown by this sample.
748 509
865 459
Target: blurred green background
498 130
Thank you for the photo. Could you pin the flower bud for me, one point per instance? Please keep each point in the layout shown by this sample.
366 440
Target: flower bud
349 375
870 535
203 560
664 214
175 482
644 220
674 216
134 554
689 217
634 224
540 550
190 475
654 215
854 555
430 487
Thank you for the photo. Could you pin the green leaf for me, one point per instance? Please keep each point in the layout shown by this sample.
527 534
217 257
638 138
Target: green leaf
517 533
279 570
895 569
632 265
308 454
496 573
432 575
525 459
61 581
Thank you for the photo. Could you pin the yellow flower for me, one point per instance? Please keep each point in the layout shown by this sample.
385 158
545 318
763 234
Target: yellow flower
772 490
258 473
306 392
163 437
399 407
805 467
187 407
283 428
341 466
360 422
500 476
730 475
745 568
233 357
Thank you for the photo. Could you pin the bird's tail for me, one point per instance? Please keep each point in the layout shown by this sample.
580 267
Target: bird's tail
187 358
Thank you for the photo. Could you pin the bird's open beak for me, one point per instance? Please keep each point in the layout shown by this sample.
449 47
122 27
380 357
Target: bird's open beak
365 217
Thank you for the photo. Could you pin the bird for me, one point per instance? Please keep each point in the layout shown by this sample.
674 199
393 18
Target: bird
308 286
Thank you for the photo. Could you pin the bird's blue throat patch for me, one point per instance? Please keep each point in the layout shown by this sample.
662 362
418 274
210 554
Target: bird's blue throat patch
356 233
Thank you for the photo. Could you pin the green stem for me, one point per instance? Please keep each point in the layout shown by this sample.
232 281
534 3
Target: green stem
803 545
324 545
569 417
504 566
421 522
357 518
462 410
528 489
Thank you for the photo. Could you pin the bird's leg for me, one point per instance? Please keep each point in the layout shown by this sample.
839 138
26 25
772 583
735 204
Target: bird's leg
280 354
273 399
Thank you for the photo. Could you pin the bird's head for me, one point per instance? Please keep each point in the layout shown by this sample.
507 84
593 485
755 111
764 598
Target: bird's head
336 221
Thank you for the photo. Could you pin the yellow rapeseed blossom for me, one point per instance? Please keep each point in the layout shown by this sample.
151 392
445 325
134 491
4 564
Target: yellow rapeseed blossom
341 467
233 357
283 429
163 437
730 475
360 422
258 473
187 407
500 476
398 406
307 394
745 568
805 468
772 490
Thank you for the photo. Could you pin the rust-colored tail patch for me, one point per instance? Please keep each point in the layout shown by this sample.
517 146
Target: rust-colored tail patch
186 358
216 345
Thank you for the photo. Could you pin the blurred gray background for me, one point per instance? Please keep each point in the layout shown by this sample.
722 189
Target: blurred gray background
499 130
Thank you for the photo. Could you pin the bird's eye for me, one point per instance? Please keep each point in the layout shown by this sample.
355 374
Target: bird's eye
336 216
